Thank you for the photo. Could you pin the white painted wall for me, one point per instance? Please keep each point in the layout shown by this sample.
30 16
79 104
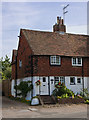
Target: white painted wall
12 88
35 87
52 86
75 88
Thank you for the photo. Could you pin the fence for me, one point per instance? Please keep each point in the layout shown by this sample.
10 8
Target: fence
6 87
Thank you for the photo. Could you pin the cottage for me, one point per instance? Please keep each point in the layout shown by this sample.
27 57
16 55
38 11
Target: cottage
51 57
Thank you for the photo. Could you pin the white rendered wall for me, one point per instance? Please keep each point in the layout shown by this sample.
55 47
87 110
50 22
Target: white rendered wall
12 88
28 97
36 90
52 86
77 87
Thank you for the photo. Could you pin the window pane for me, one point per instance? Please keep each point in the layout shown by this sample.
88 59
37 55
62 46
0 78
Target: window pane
57 60
56 79
74 60
79 60
44 79
78 80
62 79
72 80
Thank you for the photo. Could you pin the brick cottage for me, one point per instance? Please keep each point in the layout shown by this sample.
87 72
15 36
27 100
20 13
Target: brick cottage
51 57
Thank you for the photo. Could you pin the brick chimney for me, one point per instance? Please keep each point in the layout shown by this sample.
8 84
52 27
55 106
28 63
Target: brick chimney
59 26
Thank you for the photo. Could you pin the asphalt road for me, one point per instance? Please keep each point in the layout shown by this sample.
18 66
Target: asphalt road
14 109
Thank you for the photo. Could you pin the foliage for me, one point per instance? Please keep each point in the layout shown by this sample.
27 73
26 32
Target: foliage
20 99
87 102
7 73
5 63
85 92
62 91
5 68
23 88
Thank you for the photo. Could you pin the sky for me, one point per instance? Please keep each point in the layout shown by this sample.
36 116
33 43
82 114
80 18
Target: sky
38 16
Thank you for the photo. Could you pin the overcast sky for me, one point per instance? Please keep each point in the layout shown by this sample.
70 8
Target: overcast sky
39 16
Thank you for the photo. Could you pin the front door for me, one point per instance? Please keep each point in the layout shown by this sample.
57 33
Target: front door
44 86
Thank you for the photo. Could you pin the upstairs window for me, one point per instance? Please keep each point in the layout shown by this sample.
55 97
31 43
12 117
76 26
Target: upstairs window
20 63
55 60
76 61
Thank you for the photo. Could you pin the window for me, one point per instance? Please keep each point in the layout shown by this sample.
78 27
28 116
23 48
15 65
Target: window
56 79
20 63
77 61
72 80
44 79
51 81
79 80
62 79
55 60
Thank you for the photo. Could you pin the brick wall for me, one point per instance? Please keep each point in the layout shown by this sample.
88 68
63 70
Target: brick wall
65 69
41 64
24 54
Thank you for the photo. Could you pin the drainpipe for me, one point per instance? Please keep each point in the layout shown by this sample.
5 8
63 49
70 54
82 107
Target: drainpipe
32 73
16 75
83 76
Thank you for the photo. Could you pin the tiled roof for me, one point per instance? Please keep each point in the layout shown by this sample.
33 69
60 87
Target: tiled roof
51 43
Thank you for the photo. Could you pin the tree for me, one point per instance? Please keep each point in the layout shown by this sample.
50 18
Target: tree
5 68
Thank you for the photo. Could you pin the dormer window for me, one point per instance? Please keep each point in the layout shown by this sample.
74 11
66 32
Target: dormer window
77 61
55 60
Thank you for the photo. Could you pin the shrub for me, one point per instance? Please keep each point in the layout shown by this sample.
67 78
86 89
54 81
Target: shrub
23 88
87 102
62 91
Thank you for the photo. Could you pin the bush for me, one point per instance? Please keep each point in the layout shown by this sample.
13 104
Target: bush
24 88
62 91
87 102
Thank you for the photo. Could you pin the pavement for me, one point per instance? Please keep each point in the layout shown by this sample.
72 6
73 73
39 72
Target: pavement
15 109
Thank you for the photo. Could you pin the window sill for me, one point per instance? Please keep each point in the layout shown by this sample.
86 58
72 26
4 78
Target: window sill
77 65
55 64
72 84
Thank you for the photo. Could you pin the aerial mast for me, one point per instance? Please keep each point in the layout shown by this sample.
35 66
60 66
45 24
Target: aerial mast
64 12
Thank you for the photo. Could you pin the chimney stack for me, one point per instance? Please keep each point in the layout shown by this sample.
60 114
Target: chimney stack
59 27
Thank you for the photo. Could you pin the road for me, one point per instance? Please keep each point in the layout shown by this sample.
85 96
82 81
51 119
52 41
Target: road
14 109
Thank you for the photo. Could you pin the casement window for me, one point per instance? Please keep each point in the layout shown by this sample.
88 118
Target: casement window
20 63
55 60
61 79
79 80
76 61
72 80
56 79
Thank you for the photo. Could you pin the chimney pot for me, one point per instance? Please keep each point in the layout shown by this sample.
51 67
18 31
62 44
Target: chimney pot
58 20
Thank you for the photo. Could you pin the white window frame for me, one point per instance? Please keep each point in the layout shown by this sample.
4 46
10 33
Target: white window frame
53 60
76 64
60 78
